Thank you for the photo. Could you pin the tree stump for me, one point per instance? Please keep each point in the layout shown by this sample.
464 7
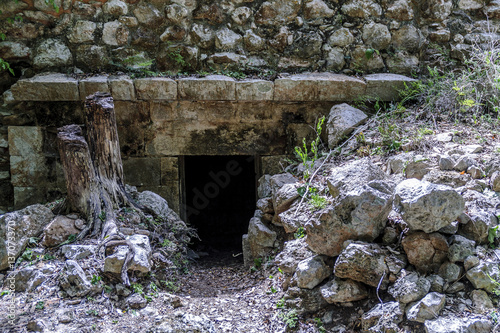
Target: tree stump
94 173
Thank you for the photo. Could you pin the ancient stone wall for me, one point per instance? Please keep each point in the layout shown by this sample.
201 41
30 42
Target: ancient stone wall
350 36
160 120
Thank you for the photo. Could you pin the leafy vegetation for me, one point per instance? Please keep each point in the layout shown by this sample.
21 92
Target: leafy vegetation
303 153
290 318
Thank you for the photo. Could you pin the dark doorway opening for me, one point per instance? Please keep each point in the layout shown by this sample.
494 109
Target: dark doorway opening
220 194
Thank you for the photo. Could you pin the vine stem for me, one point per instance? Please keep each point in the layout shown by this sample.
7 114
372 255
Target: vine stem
356 132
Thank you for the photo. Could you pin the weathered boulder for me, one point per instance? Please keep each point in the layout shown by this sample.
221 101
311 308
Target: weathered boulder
285 196
266 205
317 9
484 276
352 175
410 288
278 12
425 251
136 301
52 53
29 278
73 280
76 252
342 120
362 9
160 207
276 182
141 262
17 227
341 291
359 214
264 189
148 15
115 8
311 271
376 36
367 263
293 252
425 206
382 317
260 238
82 32
305 300
481 300
480 216
458 324
450 272
427 308
226 39
60 229
495 181
460 248
184 323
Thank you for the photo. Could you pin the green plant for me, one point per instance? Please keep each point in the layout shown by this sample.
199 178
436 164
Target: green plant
4 292
493 234
93 312
303 153
300 233
175 55
40 305
317 202
319 325
369 53
272 290
48 257
166 243
95 279
171 285
138 288
290 318
391 137
71 239
281 303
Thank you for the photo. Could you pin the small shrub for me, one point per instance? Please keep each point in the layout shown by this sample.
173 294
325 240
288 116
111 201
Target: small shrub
290 318
317 202
40 305
300 233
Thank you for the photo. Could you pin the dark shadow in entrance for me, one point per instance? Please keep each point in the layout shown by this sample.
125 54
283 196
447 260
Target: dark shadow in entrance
220 199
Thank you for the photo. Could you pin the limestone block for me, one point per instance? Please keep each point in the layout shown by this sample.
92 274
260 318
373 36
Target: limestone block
386 86
52 53
156 88
318 87
91 85
142 171
28 171
212 87
82 32
115 33
254 90
46 87
25 140
12 51
25 195
278 12
169 170
122 88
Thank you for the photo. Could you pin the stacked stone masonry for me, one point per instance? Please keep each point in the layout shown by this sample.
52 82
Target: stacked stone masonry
350 36
160 120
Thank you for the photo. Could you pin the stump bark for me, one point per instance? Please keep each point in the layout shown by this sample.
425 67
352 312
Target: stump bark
94 173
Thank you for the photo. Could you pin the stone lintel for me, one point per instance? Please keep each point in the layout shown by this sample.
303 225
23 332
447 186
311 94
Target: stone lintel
156 88
46 87
122 88
385 86
318 87
210 88
93 84
254 90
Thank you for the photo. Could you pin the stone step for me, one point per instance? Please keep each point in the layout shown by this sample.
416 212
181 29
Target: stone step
306 87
